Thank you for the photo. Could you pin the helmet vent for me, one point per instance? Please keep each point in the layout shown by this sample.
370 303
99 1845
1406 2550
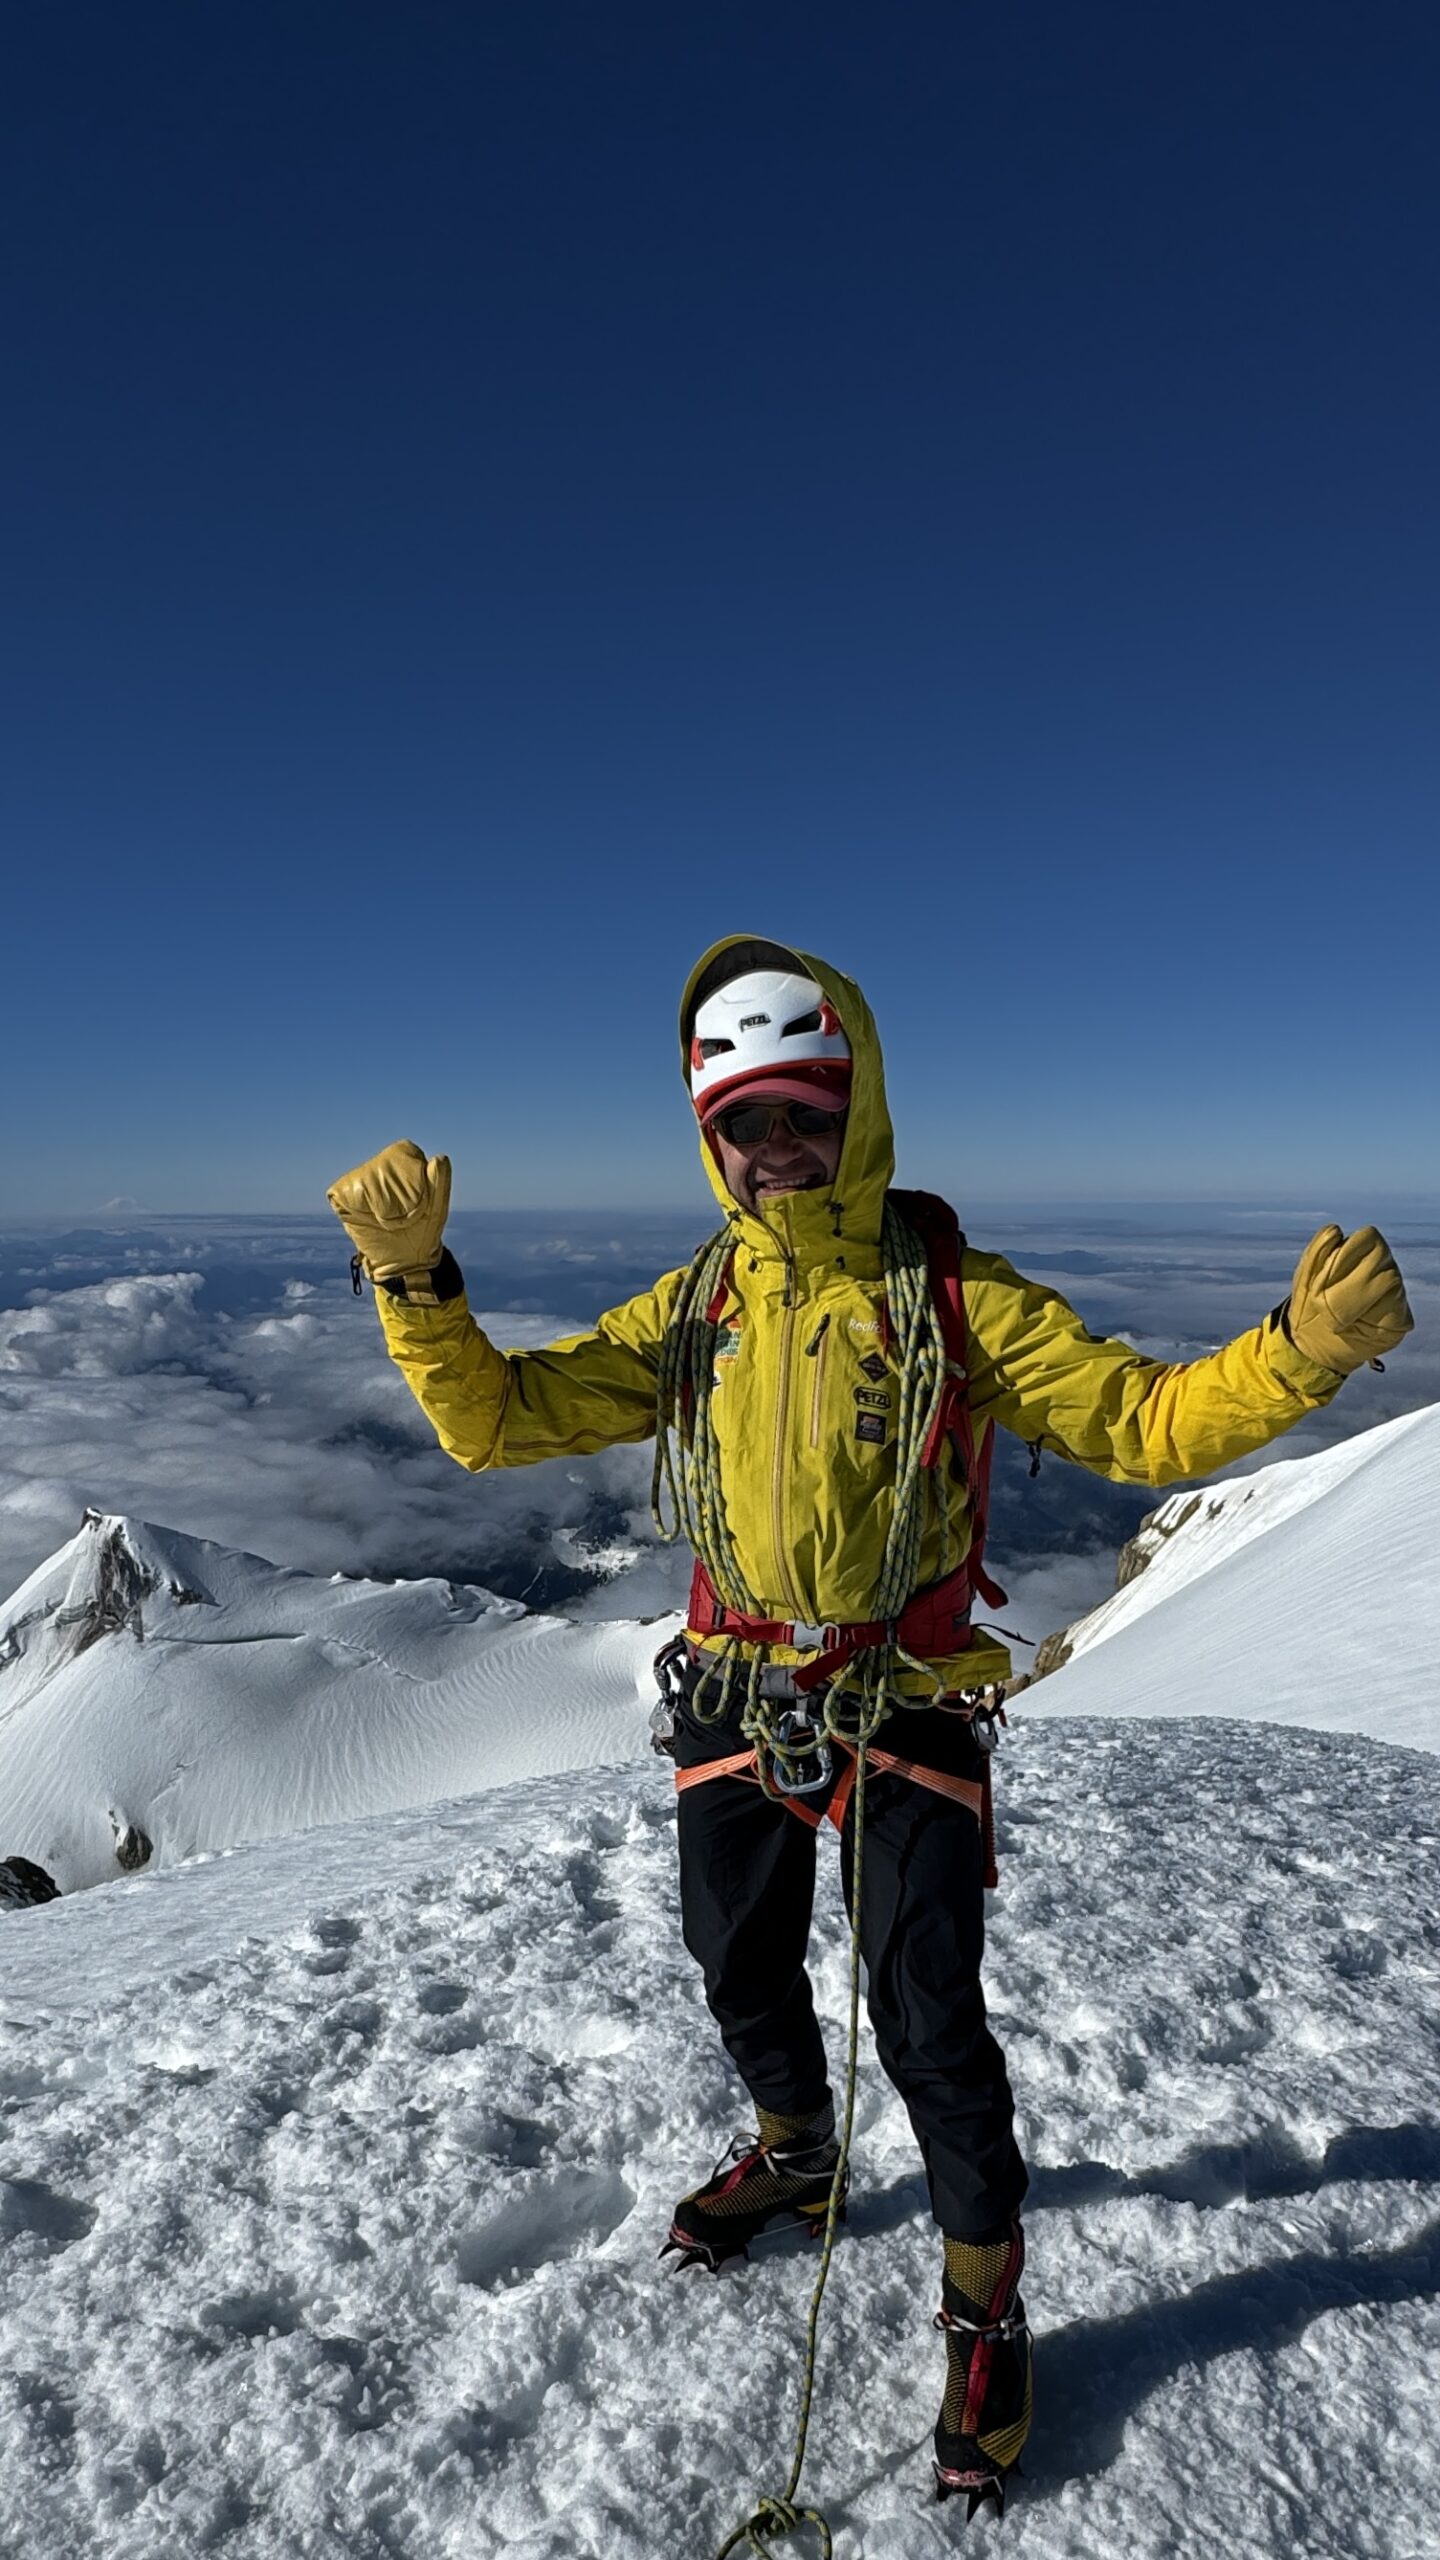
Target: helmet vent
802 1022
713 1048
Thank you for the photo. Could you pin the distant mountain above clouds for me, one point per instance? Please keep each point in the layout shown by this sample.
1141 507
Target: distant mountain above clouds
160 1696
1307 1593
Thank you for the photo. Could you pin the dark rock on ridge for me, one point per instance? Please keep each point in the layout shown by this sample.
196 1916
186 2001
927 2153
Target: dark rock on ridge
22 1884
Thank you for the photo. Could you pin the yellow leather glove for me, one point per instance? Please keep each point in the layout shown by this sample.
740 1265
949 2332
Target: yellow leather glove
1347 1300
393 1208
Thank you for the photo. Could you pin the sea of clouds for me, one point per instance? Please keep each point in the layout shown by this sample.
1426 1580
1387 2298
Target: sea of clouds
218 1376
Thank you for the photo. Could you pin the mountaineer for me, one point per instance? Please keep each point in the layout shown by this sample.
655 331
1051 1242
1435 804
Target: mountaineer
822 1383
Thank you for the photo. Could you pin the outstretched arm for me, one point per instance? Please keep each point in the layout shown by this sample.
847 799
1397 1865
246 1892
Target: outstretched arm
491 1408
1036 1370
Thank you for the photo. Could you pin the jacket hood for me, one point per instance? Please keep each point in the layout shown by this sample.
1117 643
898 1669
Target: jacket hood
813 1225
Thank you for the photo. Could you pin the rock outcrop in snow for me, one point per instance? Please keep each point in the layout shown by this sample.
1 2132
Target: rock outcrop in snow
23 1885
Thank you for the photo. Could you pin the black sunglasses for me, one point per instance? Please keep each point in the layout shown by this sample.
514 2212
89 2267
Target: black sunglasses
747 1124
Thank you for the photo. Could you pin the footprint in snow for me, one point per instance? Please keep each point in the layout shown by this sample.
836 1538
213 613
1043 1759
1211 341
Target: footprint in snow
336 1937
441 1999
29 2210
557 2218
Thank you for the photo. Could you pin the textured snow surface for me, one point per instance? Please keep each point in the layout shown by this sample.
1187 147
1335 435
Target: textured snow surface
1307 1593
332 2175
209 1698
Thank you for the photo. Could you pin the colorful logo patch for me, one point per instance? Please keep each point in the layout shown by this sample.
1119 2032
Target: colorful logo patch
868 1426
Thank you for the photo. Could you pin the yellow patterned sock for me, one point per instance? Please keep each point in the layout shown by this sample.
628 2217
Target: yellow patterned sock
776 2129
975 2268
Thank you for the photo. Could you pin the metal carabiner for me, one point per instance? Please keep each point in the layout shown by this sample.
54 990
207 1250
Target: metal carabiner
670 1682
796 1727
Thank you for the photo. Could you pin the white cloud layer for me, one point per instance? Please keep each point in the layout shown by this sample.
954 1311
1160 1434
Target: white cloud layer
260 1409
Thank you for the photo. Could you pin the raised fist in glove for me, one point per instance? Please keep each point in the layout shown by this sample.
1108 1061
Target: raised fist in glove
1347 1300
394 1208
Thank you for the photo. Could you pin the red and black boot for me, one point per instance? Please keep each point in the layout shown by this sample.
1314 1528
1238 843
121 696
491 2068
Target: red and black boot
988 2392
781 2182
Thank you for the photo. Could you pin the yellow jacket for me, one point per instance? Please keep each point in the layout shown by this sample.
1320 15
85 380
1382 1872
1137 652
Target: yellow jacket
807 1498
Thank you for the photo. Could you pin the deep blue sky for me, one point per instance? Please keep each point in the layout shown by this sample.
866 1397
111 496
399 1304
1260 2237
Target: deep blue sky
498 495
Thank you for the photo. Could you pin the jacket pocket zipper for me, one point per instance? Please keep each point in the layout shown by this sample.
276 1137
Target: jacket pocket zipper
815 1349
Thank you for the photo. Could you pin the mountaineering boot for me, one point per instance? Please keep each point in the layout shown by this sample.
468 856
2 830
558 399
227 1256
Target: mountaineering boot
781 2181
986 2414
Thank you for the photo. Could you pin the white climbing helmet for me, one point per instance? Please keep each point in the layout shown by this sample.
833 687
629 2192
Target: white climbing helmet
773 1033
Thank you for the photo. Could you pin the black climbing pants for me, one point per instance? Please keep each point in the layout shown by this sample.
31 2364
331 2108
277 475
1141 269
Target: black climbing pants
747 1882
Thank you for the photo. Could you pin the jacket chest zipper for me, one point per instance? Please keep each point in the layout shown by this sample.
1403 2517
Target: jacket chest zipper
780 1466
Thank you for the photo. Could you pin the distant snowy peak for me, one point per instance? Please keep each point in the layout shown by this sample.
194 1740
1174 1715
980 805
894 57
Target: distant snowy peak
97 1586
160 1695
1305 1593
126 1577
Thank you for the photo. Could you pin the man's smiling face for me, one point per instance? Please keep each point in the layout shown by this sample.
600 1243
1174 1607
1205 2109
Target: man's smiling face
781 1161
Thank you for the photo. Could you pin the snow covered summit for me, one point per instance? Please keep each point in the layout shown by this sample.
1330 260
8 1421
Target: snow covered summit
332 2176
1305 1593
332 2173
153 1684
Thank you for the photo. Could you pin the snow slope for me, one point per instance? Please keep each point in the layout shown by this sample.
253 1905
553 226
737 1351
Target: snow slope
208 1697
332 2170
1307 1593
332 2175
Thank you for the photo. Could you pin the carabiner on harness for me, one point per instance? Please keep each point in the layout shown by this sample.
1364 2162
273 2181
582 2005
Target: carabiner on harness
796 1736
983 1710
669 1680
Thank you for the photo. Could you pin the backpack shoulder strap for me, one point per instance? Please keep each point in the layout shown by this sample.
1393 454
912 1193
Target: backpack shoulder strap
936 1223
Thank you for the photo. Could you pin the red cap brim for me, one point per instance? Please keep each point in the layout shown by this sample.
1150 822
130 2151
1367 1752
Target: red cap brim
822 1083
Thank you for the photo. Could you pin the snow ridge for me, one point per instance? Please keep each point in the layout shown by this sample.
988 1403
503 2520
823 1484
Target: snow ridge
155 1683
1304 1593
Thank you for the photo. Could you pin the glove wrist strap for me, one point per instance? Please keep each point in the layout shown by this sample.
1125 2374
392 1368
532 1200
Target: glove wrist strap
425 1288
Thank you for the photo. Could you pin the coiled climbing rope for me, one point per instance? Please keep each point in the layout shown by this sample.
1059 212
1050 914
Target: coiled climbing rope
688 1502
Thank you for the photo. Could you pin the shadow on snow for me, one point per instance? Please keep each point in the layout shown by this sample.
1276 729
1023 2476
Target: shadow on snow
1094 2374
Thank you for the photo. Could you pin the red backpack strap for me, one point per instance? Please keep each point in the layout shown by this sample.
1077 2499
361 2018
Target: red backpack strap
936 1223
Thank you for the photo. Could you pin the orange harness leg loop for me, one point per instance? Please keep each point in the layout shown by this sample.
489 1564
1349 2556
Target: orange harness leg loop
740 1764
972 1792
